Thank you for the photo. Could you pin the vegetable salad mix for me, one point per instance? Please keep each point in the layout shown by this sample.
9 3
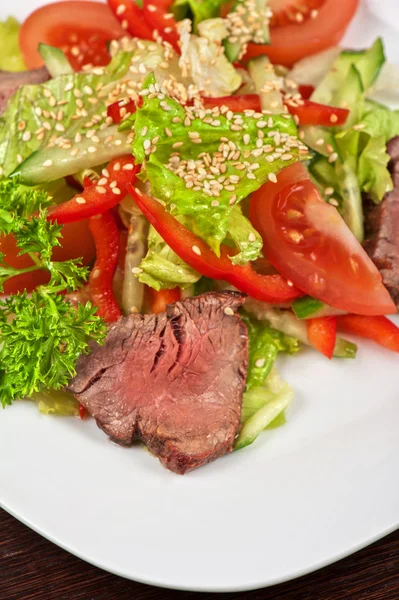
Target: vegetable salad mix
176 148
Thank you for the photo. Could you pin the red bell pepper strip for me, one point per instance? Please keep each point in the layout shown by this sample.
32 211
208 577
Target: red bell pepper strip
312 113
379 329
97 199
322 334
118 110
82 411
160 300
106 239
309 113
158 15
196 253
237 103
306 91
131 18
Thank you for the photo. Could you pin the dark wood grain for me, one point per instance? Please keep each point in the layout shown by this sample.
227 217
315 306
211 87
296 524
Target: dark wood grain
31 568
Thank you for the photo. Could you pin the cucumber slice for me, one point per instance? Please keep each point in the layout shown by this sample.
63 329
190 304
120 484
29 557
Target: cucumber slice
264 417
53 163
307 307
368 63
55 60
350 95
262 72
352 206
319 139
242 14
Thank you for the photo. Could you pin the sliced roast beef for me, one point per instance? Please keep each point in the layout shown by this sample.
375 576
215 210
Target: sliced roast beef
173 380
382 228
10 82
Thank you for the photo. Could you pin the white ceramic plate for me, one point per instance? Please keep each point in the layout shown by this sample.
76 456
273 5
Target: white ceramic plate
300 498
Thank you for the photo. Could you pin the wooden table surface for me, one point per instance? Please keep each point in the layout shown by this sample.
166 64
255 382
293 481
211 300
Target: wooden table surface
31 568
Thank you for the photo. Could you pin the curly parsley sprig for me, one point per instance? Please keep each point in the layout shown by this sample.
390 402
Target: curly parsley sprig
41 335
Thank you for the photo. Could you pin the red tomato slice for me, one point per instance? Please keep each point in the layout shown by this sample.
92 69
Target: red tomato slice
81 29
77 242
293 42
286 12
237 103
308 242
160 300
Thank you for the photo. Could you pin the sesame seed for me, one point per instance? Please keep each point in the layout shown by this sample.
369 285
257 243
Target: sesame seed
21 125
117 166
333 202
287 157
121 9
252 237
116 191
178 145
333 118
103 181
215 203
19 159
26 136
329 148
68 87
260 363
80 200
128 167
320 142
333 157
329 191
261 124
272 177
168 132
100 189
151 8
228 311
196 250
92 149
47 163
246 138
147 144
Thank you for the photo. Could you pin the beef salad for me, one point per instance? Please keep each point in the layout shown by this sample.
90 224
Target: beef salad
187 190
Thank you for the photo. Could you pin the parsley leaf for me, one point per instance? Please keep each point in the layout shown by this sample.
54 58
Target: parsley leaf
41 335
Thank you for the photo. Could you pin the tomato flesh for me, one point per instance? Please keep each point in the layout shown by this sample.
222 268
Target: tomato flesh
80 28
292 42
286 12
308 242
81 45
77 242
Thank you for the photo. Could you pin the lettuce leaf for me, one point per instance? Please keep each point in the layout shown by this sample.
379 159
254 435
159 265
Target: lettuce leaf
201 163
11 58
264 345
162 268
197 10
243 235
203 59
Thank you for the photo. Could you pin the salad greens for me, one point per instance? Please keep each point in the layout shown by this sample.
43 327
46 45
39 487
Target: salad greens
42 335
10 54
352 159
197 10
216 165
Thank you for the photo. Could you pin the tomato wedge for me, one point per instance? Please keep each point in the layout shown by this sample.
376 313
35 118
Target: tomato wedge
81 29
308 242
293 42
158 15
77 242
286 12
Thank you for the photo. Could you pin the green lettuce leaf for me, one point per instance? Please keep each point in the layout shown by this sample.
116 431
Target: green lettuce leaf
11 58
53 113
373 175
201 163
264 345
197 10
378 120
243 235
162 268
